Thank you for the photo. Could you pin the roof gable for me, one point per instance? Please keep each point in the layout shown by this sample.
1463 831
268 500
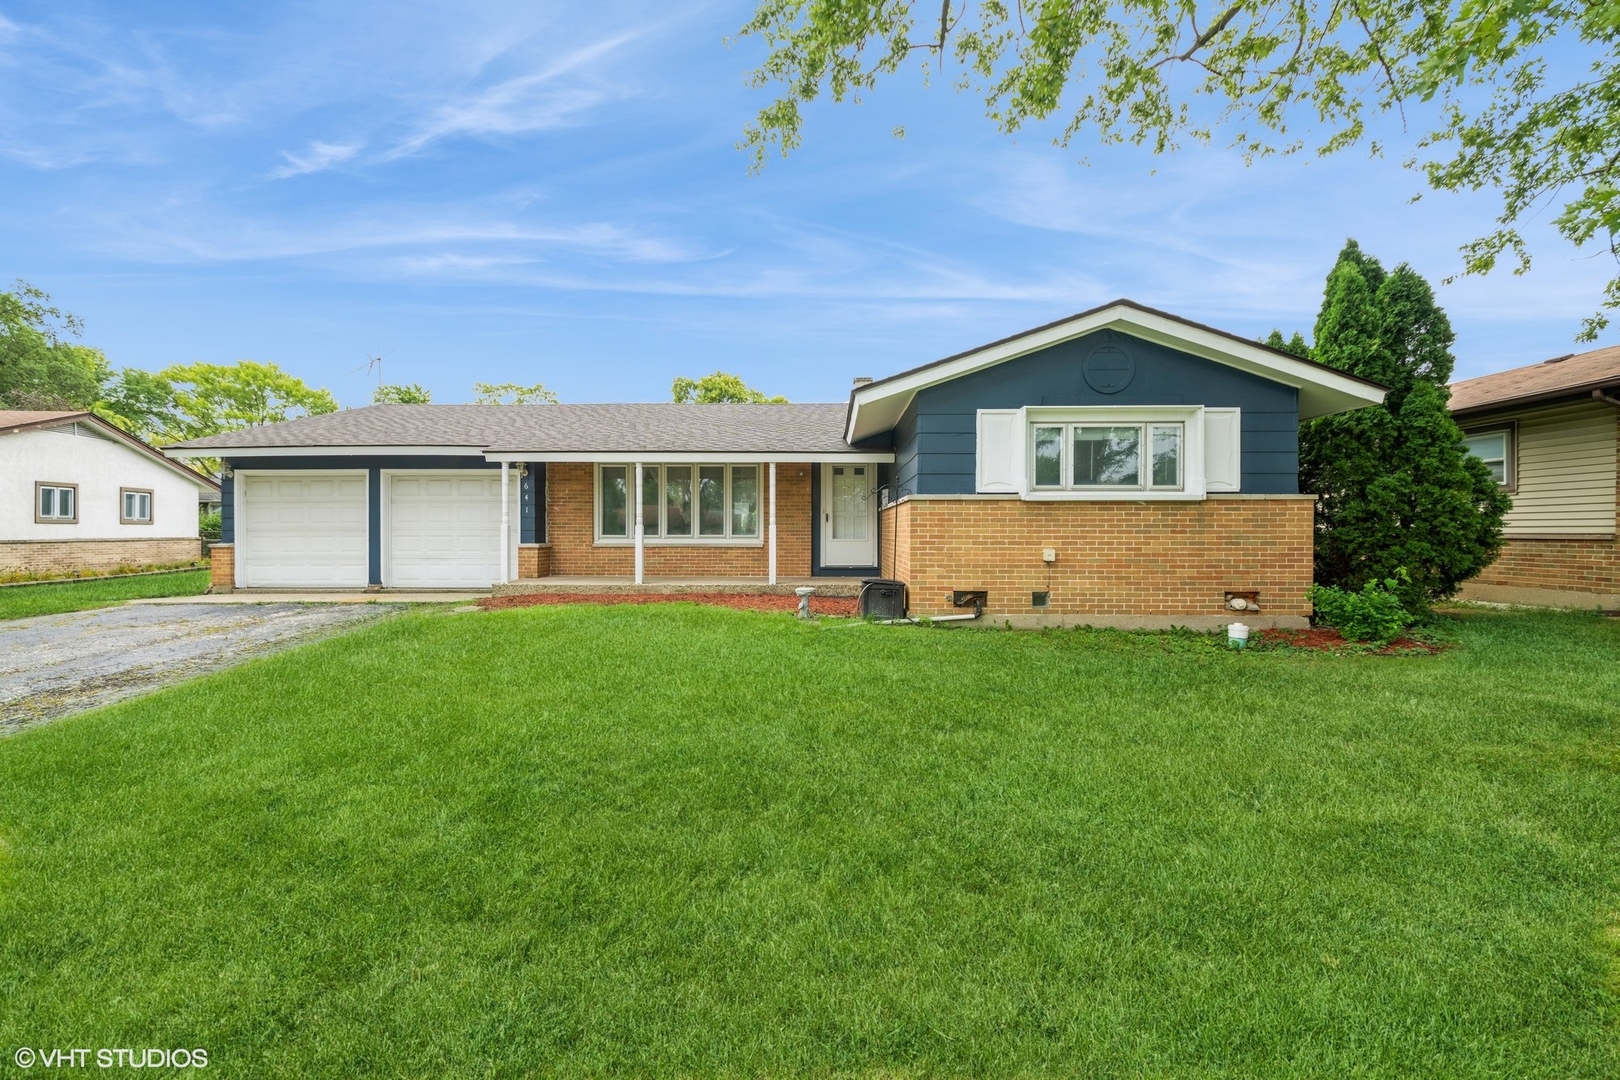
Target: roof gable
877 406
14 421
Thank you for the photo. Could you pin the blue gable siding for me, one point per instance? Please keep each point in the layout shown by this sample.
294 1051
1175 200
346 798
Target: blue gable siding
935 438
532 519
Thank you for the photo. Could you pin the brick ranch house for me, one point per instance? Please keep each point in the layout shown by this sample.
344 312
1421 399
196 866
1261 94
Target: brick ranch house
1549 433
1122 466
77 493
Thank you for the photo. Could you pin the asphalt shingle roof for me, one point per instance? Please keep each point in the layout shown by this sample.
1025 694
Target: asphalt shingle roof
1567 375
662 428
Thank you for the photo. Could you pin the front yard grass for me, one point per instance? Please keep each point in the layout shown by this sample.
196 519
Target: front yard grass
682 841
57 597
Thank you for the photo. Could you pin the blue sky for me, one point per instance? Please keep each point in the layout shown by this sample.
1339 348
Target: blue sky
550 192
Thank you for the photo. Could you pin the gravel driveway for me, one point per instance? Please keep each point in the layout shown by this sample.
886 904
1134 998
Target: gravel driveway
54 665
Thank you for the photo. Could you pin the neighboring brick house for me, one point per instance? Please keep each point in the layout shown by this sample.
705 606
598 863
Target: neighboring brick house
77 493
1549 433
1121 466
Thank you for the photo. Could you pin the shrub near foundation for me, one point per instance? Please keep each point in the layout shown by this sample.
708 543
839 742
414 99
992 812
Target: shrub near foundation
1374 613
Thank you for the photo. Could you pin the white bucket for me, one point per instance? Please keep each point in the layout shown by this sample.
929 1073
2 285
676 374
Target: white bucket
1237 635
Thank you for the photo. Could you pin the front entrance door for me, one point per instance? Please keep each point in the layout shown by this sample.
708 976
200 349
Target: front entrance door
848 515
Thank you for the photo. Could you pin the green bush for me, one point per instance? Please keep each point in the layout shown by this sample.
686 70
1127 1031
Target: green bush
208 525
1373 614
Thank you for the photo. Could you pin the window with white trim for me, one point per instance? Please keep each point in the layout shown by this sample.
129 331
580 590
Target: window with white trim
1107 456
1495 449
697 504
135 506
56 504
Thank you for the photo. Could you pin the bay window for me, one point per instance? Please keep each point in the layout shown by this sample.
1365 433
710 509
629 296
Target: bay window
679 503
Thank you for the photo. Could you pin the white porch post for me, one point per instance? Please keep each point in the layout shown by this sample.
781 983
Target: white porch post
506 522
640 549
773 524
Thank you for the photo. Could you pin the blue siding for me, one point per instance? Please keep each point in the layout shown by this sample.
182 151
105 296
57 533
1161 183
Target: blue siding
935 439
227 509
532 518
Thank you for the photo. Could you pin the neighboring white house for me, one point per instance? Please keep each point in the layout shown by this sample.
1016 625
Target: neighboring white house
77 493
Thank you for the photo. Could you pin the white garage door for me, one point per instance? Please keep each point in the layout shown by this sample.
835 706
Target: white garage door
303 531
444 530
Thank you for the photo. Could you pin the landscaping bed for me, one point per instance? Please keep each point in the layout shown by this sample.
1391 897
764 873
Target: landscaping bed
1327 639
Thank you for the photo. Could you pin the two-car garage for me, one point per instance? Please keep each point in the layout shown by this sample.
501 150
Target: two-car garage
313 530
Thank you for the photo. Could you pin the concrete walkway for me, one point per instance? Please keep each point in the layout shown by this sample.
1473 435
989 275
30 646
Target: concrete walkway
55 665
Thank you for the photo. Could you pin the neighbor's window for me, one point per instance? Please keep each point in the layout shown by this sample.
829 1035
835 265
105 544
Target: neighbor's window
56 503
1493 448
1100 457
136 508
680 502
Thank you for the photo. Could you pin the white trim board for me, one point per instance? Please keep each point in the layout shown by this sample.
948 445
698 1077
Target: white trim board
1322 391
514 456
676 457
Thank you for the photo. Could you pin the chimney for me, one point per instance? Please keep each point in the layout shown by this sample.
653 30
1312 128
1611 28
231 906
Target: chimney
862 380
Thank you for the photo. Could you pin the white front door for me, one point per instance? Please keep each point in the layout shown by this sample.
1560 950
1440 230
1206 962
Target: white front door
299 530
848 515
444 530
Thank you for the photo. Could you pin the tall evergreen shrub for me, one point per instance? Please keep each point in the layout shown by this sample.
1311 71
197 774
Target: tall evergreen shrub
1395 488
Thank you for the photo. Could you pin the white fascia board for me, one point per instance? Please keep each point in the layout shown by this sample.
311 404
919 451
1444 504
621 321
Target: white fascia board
735 457
324 451
1323 391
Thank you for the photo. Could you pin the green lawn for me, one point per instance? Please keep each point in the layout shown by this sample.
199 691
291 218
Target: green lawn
55 597
682 841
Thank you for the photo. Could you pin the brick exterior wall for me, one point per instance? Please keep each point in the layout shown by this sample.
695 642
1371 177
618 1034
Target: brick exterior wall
1114 559
1576 565
534 561
223 561
570 525
42 556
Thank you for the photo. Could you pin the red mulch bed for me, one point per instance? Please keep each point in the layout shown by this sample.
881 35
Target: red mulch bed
819 605
1326 639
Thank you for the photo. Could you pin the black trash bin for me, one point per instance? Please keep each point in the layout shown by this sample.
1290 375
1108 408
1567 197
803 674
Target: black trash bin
882 598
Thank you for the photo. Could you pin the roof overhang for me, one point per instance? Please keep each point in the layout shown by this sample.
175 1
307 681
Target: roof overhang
707 457
244 452
878 406
1585 391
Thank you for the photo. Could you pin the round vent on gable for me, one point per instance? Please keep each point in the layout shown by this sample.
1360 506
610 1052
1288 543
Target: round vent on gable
1108 368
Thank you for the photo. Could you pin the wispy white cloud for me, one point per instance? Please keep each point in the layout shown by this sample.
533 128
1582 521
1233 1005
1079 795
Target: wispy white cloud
531 102
319 156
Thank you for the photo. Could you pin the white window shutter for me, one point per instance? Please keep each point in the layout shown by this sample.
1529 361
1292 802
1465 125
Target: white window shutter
1000 457
1223 449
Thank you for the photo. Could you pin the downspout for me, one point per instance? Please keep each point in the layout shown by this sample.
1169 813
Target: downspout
772 580
640 551
506 521
1601 395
